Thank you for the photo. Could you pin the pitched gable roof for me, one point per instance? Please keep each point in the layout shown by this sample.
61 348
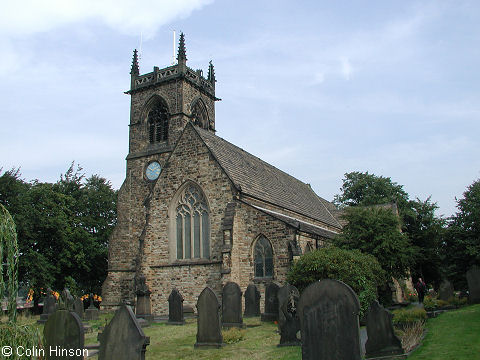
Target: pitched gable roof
254 177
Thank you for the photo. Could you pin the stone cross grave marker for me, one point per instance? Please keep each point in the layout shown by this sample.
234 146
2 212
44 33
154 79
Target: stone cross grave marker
328 312
49 306
64 336
288 321
123 337
175 308
92 312
252 301
232 305
445 291
382 340
271 302
209 330
473 279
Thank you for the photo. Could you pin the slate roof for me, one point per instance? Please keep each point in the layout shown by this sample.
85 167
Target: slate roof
253 176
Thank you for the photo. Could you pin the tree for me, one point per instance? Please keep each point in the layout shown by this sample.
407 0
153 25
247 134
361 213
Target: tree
376 231
364 189
462 241
361 272
426 232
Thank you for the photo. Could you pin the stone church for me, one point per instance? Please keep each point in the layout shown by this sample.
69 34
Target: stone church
195 210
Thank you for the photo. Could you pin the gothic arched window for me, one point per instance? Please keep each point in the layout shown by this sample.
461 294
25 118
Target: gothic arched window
158 123
263 258
199 115
192 224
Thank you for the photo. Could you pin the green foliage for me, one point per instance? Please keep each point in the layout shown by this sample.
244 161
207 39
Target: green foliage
9 251
376 231
462 240
403 316
15 335
361 272
63 229
366 189
426 232
233 335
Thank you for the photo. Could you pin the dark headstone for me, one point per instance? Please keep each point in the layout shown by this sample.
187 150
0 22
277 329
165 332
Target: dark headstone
382 340
78 307
252 301
473 279
328 312
209 332
175 308
92 312
445 290
232 305
49 306
64 336
288 321
271 302
123 338
143 307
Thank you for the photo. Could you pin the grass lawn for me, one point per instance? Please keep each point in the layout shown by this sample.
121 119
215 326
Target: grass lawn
453 335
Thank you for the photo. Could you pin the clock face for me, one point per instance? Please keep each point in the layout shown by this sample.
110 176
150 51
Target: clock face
153 171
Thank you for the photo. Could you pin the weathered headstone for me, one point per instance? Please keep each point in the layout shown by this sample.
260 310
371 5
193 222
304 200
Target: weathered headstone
123 338
328 312
143 307
232 305
271 302
209 332
64 336
446 290
473 279
252 301
175 308
288 321
67 300
49 306
78 307
382 340
92 312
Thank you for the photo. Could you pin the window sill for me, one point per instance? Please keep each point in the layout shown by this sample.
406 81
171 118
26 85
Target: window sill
195 262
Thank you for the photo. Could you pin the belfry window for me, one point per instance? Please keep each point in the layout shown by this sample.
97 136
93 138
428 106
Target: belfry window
192 225
263 258
199 115
158 123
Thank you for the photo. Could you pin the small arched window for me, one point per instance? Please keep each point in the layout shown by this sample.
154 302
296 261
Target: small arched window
263 258
199 115
158 123
192 224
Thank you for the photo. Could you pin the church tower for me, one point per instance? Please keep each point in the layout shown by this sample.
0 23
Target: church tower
162 103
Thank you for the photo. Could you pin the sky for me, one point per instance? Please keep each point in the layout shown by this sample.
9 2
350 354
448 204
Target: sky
316 88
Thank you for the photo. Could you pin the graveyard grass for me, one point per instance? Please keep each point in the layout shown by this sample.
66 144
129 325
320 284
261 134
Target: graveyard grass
453 335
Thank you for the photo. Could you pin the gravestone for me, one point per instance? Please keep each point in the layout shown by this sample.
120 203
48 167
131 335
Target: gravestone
49 306
78 307
382 340
92 312
252 301
123 338
67 300
64 336
271 302
143 307
232 305
473 279
328 312
446 290
209 333
175 308
288 321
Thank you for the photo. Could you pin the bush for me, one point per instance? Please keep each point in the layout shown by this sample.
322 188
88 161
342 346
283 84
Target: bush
411 297
457 301
233 335
361 272
429 304
403 316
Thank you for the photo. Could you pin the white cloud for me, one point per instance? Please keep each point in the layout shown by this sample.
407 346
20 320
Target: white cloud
20 18
346 67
